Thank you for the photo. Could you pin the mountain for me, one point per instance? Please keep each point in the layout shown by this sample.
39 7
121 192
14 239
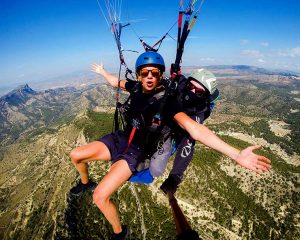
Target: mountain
18 96
239 70
251 70
24 110
220 199
73 79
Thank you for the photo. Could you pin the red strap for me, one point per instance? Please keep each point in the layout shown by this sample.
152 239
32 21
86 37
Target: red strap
180 20
130 138
131 135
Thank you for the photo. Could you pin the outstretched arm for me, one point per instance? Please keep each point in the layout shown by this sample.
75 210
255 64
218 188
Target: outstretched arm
246 157
111 79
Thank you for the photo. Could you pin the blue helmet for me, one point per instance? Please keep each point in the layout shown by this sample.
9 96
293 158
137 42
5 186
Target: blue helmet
150 58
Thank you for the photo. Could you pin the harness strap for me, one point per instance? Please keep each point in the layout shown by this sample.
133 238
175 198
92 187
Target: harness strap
130 138
175 70
136 123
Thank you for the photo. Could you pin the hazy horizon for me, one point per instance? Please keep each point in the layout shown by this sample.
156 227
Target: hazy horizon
50 82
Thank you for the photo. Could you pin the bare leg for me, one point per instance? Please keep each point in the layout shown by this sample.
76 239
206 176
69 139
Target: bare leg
82 155
116 177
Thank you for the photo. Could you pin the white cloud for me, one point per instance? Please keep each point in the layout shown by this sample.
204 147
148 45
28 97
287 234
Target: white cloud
22 75
291 52
194 37
264 44
21 66
207 59
252 53
261 60
244 41
169 39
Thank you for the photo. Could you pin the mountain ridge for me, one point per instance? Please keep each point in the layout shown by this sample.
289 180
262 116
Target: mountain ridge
18 95
24 110
221 200
248 69
231 203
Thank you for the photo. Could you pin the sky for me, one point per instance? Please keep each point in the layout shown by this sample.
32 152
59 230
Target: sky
43 39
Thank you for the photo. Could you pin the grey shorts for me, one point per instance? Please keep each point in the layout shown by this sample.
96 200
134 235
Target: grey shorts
117 144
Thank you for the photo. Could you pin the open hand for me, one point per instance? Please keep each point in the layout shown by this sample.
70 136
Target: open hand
97 68
257 163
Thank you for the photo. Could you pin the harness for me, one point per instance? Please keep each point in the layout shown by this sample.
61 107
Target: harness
133 118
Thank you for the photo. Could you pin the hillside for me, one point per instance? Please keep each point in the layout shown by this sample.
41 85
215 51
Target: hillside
24 110
221 200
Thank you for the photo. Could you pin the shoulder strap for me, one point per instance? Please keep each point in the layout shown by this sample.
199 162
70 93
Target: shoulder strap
156 97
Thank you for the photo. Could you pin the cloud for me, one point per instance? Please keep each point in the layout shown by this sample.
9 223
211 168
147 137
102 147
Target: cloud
291 52
244 41
252 53
261 60
22 75
21 66
194 37
170 39
264 44
207 59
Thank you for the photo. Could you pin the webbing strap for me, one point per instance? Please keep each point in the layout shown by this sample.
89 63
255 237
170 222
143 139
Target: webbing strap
179 27
130 138
175 70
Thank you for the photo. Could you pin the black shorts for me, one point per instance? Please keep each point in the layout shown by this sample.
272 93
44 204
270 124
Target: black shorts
117 144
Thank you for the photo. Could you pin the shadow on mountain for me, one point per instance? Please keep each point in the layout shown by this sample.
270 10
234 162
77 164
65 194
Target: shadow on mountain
83 220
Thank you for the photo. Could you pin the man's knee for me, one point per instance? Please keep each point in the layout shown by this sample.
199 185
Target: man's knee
74 155
100 199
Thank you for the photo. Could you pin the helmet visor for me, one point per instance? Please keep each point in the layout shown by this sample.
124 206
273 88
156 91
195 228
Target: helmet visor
197 88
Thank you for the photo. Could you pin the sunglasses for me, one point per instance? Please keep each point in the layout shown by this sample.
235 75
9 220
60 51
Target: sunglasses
145 72
200 91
